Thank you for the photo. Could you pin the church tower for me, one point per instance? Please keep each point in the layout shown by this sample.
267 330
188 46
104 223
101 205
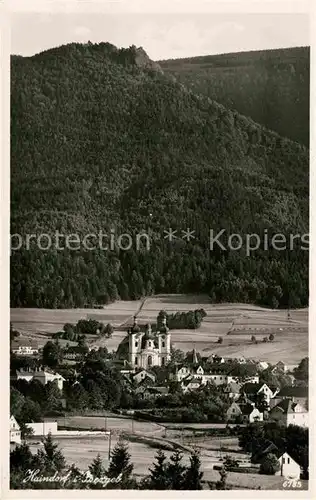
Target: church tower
194 356
133 342
164 344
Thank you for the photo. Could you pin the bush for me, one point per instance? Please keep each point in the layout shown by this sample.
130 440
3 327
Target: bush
269 465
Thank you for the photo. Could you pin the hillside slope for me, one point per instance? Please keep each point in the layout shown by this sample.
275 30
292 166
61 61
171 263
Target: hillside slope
102 138
271 86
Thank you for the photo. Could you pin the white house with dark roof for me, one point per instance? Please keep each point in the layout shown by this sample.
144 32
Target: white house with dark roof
24 347
248 413
289 468
15 432
43 375
290 413
251 389
179 373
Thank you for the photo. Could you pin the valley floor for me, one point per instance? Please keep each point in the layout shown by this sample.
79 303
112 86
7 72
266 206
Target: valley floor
236 323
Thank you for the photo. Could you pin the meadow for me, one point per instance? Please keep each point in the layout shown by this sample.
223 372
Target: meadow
236 323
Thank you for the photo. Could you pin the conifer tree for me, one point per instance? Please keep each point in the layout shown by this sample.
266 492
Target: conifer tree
96 468
175 472
51 458
21 458
158 479
121 468
193 475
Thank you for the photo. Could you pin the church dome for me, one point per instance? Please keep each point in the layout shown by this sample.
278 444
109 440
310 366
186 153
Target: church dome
135 328
148 336
164 329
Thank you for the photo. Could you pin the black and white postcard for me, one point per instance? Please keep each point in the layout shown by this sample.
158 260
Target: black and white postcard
159 241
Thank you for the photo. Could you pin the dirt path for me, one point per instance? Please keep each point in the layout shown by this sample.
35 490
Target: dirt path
131 318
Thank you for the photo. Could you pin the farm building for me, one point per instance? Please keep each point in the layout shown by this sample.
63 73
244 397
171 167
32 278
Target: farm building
288 467
24 347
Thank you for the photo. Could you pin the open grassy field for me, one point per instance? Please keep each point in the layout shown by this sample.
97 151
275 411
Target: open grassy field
82 452
236 323
115 424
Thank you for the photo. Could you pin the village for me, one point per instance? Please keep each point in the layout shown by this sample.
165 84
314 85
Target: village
166 396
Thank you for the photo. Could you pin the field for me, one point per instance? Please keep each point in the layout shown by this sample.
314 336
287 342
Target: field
236 323
83 451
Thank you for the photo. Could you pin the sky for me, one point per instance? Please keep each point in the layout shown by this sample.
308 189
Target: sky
162 35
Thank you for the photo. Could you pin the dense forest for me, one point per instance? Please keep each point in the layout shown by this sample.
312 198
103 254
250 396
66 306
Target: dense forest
103 139
271 86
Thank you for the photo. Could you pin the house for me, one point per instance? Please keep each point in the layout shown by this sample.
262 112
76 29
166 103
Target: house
214 358
143 385
75 353
24 347
252 390
232 390
179 373
262 365
233 412
290 413
295 394
288 467
198 370
280 367
248 413
191 384
15 432
141 375
43 375
251 414
252 379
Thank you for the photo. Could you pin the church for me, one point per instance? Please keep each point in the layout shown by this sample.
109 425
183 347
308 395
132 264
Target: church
146 349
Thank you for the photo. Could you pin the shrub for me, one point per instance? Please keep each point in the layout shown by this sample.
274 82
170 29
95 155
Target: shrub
269 465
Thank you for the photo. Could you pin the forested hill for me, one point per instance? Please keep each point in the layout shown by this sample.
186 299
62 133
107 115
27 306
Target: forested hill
102 139
271 86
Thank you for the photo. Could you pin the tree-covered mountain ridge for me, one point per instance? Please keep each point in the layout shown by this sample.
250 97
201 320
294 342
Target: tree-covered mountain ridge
271 86
100 138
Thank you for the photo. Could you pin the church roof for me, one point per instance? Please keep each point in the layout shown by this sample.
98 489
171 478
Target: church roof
149 336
